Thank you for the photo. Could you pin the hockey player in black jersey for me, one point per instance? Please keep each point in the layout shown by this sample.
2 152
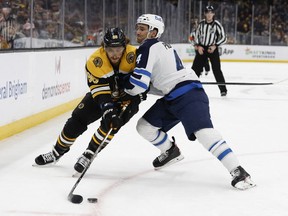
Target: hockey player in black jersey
106 70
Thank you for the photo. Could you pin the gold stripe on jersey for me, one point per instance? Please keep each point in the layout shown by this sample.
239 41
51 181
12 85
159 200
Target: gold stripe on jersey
99 136
65 141
99 89
99 65
105 133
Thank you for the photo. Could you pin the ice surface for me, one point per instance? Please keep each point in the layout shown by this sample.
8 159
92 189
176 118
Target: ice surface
252 119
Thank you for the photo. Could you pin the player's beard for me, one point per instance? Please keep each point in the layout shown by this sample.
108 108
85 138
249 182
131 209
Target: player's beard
115 61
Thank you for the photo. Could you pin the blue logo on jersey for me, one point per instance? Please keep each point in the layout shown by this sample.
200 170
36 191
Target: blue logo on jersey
179 65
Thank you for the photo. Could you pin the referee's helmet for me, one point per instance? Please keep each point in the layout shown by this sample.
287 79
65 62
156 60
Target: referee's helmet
209 8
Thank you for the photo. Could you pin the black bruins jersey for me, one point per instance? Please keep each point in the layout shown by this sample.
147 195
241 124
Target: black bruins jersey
104 81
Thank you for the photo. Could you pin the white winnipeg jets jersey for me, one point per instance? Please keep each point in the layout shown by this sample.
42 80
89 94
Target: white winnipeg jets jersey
158 64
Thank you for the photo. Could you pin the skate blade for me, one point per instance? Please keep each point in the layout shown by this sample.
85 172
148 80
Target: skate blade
76 175
43 166
245 184
175 160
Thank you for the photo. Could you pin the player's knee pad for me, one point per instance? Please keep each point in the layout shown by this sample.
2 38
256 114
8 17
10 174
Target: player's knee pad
146 130
208 137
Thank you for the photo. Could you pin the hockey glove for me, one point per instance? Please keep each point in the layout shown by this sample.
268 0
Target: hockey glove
137 99
110 116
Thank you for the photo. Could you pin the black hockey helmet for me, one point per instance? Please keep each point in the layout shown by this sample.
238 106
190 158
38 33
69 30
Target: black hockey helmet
114 37
209 8
6 4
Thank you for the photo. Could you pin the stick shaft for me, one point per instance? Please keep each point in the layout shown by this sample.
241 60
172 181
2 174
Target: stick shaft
237 83
85 170
244 83
94 156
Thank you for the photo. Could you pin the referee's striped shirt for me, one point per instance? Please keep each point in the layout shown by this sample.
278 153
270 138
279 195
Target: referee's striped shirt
208 34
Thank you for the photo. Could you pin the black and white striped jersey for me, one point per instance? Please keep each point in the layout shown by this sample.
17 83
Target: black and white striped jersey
208 34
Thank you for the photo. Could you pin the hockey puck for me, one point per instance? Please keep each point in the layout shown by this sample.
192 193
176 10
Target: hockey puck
92 200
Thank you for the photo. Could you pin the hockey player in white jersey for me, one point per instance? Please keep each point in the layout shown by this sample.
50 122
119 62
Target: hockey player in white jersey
184 100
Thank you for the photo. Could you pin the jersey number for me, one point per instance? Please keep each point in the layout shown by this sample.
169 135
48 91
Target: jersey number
179 64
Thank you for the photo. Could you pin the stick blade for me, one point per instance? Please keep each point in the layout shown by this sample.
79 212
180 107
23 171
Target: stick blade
76 199
92 200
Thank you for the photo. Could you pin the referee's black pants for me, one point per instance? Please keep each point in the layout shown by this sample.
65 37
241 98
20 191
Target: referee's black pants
199 63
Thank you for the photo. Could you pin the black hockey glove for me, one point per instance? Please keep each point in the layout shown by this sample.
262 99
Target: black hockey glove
137 99
110 116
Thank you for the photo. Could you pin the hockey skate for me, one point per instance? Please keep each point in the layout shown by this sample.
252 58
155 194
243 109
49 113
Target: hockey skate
49 158
83 161
241 179
169 157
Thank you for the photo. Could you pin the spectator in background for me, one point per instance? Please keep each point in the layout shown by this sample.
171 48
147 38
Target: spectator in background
29 30
279 35
50 31
258 26
8 26
49 11
90 40
3 43
43 22
243 30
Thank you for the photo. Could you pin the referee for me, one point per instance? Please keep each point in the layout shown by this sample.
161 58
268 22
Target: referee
209 35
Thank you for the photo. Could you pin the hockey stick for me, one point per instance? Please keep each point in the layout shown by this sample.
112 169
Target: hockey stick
243 83
76 198
236 83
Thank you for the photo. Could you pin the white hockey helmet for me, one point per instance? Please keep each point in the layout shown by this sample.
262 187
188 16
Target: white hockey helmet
153 21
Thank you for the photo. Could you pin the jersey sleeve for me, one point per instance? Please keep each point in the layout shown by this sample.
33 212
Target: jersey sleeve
99 88
140 78
198 34
221 39
97 70
191 38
